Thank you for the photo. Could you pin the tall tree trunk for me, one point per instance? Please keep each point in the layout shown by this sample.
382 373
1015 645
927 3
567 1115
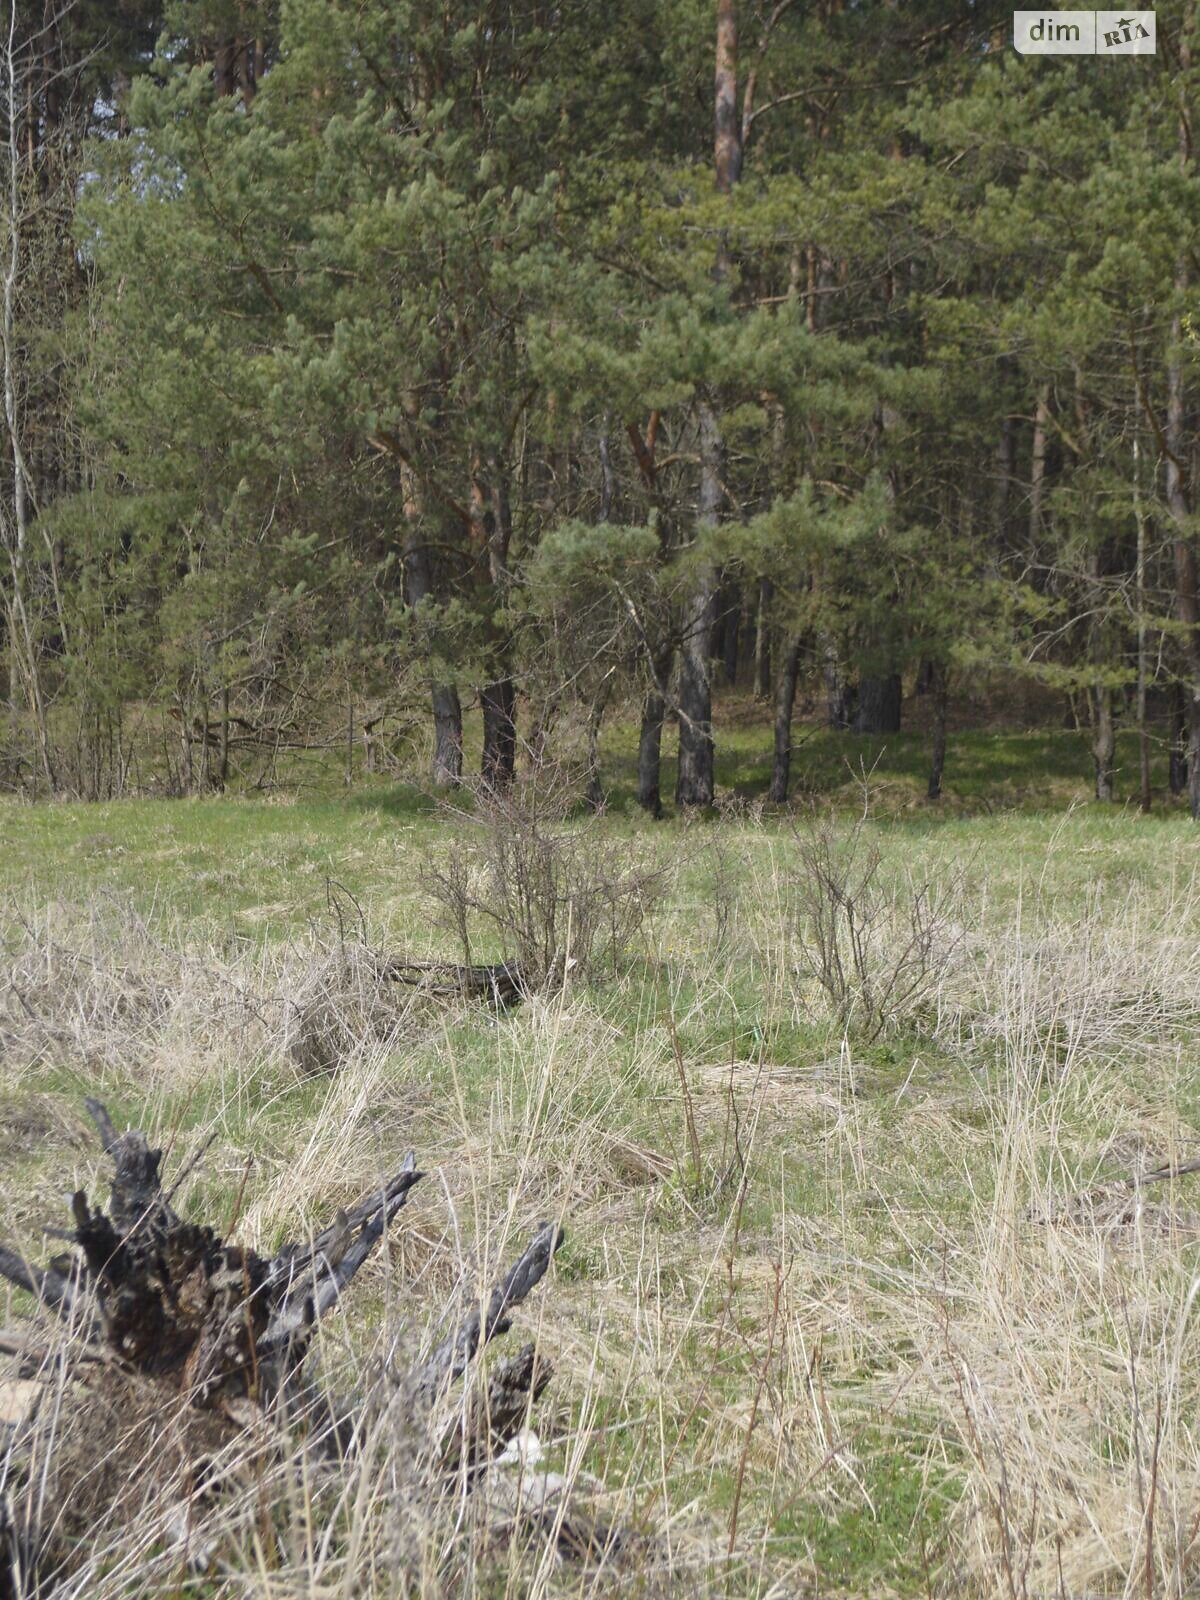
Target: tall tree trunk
939 689
649 775
16 604
1187 587
1037 465
1187 597
720 620
1145 796
879 704
730 630
185 728
498 698
1104 741
447 736
662 651
418 582
727 124
202 732
1177 770
839 694
224 74
1100 694
762 641
223 751
594 793
695 783
499 703
1006 470
785 700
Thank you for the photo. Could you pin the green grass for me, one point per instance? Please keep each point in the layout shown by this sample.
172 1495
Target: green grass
259 869
889 1535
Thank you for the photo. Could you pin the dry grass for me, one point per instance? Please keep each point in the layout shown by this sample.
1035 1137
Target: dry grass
833 1314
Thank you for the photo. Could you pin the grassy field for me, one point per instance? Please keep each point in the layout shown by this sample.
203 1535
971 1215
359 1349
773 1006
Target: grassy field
857 1295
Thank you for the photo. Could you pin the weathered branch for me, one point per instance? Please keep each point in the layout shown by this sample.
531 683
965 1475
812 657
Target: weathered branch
54 1289
304 1281
452 1357
494 1416
503 983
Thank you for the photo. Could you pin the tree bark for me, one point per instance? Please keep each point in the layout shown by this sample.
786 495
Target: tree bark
939 684
1179 496
785 700
498 698
447 711
1006 470
1037 465
730 630
649 776
1177 770
594 794
1100 694
1104 741
1146 797
224 75
879 705
499 703
839 695
223 751
1187 598
695 782
447 736
762 641
694 785
20 623
727 125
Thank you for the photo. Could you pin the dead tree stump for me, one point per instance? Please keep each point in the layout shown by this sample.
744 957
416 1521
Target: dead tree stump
172 1305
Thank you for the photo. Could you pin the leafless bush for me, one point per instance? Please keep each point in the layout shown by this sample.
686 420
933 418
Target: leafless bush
725 885
878 955
552 893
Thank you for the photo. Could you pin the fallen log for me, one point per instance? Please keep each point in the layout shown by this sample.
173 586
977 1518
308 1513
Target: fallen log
224 1332
502 983
1117 1200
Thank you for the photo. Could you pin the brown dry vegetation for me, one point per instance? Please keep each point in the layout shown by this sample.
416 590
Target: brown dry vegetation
833 1314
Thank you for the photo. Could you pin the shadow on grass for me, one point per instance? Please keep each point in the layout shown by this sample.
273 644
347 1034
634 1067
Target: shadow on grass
396 800
1046 769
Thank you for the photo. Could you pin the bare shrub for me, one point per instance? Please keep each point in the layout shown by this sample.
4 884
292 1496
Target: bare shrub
727 873
878 955
552 893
